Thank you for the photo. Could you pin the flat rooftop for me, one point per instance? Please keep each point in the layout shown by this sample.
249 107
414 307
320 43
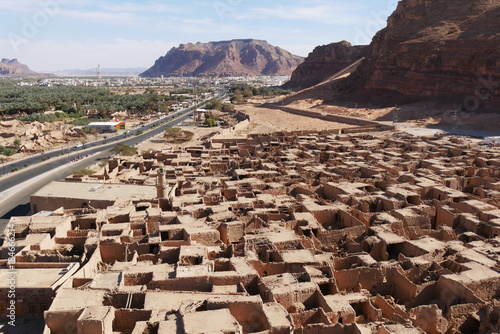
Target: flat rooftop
96 191
35 278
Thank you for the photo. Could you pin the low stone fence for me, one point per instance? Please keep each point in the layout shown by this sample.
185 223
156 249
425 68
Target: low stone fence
363 125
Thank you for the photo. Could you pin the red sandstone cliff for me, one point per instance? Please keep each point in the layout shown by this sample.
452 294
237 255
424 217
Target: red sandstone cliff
447 49
323 62
227 58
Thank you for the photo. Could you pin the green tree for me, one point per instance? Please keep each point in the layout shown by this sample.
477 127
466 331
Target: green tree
123 149
228 107
17 143
215 104
7 151
211 121
177 135
84 171
237 97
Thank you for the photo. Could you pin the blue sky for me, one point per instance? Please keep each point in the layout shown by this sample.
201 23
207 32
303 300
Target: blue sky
63 34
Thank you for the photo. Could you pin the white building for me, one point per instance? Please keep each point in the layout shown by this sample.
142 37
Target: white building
106 126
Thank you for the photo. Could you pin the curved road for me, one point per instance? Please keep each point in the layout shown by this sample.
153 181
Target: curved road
63 156
15 202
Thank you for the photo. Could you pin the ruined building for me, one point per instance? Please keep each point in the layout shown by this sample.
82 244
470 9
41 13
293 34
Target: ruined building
304 233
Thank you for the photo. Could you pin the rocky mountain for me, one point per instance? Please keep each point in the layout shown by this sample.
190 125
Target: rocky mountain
241 57
12 67
323 62
444 49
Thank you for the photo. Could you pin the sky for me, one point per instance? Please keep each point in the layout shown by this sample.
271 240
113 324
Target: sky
51 35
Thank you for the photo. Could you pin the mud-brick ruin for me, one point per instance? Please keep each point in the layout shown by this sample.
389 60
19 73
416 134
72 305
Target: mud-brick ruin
304 233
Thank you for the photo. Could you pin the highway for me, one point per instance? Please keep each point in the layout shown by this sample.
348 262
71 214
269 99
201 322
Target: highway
37 158
61 157
16 188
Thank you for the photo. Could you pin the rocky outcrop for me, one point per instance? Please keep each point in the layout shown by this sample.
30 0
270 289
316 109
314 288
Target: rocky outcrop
446 49
12 67
323 62
227 58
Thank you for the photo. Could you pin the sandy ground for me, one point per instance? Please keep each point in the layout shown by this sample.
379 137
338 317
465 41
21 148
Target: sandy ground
264 120
433 114
423 115
158 142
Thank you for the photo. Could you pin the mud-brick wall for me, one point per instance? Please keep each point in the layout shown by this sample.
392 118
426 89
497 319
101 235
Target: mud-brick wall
199 283
208 238
111 252
371 279
125 320
334 236
90 269
307 294
132 279
77 242
31 303
248 313
229 278
401 287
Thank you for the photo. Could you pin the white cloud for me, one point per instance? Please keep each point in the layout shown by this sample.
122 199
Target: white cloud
122 18
196 26
325 13
23 6
143 7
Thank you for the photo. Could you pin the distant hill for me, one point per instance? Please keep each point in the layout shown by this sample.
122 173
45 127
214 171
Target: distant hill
323 62
13 68
240 57
103 71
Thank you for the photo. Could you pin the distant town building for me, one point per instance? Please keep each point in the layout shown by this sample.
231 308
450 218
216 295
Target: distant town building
106 126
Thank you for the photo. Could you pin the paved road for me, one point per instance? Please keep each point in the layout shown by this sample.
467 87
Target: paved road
37 158
16 188
91 148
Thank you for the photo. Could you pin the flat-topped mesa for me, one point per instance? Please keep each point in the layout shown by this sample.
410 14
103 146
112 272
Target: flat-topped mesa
435 49
239 57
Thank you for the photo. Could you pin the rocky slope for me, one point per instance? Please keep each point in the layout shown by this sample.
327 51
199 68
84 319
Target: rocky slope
227 58
323 62
446 49
12 67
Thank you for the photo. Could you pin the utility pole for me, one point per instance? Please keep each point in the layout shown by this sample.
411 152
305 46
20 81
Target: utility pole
98 75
